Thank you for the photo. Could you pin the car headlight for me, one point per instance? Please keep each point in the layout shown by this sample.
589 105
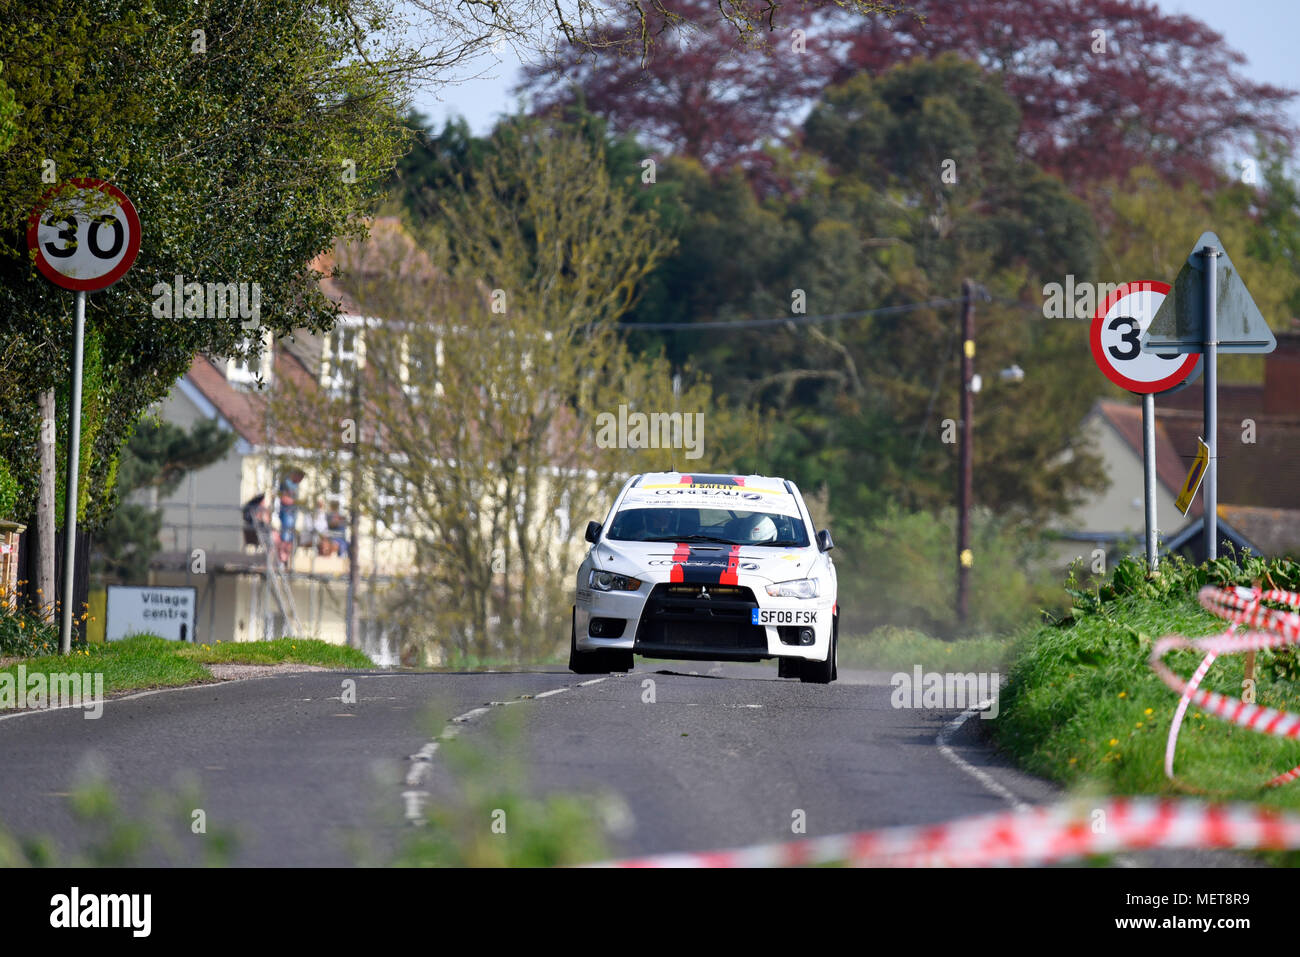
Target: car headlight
798 588
608 581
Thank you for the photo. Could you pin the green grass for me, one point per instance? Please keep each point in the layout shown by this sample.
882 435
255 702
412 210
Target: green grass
302 651
900 649
1083 708
145 661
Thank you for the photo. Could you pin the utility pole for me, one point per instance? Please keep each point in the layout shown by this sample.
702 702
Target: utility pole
965 467
354 524
45 527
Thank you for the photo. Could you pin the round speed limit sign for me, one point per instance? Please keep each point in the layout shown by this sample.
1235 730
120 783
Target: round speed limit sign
1116 341
85 238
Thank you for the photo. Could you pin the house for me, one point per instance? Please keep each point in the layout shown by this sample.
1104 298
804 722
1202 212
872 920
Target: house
1258 469
287 415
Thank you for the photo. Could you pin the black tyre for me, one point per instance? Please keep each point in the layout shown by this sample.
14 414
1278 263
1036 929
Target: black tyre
594 662
821 672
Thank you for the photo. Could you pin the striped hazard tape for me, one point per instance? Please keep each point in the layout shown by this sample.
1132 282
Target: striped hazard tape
1038 835
1269 628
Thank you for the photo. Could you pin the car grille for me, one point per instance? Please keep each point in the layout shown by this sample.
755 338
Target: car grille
679 616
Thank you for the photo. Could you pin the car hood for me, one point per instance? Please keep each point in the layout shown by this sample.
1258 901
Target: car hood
654 561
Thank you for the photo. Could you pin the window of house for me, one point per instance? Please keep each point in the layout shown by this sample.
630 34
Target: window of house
341 356
392 501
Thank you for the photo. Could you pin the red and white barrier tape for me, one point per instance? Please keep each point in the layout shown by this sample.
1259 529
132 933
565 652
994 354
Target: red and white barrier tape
1241 607
1039 835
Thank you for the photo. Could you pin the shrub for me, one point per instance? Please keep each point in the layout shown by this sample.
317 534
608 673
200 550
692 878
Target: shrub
8 492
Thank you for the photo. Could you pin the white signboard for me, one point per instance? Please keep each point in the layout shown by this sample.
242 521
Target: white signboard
704 494
150 610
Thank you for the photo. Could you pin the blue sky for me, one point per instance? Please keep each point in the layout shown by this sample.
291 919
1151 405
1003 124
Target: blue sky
1266 31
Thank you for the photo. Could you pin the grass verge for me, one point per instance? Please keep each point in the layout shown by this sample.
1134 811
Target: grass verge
900 649
146 661
1083 708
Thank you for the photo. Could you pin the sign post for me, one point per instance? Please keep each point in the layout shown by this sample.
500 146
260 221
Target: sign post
1119 322
84 238
1209 310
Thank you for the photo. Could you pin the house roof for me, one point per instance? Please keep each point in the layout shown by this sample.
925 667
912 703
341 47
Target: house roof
1171 469
1264 473
1273 531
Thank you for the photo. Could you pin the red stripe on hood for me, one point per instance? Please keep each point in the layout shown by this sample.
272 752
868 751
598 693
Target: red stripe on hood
680 554
729 577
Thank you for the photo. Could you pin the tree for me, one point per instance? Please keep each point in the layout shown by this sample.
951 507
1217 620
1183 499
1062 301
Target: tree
493 355
705 91
861 403
236 129
1101 89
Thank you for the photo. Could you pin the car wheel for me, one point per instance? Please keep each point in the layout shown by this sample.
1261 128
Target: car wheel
835 643
594 662
821 672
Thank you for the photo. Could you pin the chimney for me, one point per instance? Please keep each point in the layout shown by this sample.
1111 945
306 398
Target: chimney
1282 376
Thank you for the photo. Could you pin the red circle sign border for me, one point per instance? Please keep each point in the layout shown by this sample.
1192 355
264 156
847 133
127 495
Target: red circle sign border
118 271
1123 381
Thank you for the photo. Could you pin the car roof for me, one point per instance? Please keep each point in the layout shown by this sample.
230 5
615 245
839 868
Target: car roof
706 478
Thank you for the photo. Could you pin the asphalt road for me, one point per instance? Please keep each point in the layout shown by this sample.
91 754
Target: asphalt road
724 757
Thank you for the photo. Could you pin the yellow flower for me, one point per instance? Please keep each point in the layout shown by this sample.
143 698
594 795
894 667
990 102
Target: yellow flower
1114 741
1123 694
1074 760
1147 711
1138 725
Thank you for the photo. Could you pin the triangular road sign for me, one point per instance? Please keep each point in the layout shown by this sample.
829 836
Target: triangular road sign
1176 326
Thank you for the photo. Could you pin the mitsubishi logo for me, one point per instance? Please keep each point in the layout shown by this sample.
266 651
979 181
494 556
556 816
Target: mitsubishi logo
704 592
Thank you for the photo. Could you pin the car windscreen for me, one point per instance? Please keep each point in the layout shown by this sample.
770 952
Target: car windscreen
725 526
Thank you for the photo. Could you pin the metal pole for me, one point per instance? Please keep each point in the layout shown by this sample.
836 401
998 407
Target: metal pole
965 467
1149 474
353 629
1210 495
74 460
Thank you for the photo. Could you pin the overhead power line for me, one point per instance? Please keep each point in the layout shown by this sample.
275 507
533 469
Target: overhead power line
783 320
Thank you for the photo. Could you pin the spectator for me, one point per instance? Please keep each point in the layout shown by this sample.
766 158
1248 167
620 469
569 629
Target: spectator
288 515
257 519
320 527
338 527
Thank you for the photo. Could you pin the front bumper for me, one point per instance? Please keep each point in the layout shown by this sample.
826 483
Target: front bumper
675 620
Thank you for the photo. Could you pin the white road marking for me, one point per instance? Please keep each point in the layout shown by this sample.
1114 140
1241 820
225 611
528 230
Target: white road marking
982 777
421 761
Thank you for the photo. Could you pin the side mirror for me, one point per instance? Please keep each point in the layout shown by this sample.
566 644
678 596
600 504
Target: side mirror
593 532
824 540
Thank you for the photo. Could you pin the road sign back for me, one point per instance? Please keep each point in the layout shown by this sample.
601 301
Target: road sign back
1177 324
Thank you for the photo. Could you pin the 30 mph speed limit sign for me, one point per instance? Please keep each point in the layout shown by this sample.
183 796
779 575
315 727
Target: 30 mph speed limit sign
1116 333
85 238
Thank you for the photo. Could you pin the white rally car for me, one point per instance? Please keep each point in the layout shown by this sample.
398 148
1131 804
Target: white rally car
707 567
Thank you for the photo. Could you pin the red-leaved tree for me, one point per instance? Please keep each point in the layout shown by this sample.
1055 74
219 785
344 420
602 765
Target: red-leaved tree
1102 87
702 88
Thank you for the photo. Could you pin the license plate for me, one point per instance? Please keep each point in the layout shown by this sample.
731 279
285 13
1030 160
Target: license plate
782 616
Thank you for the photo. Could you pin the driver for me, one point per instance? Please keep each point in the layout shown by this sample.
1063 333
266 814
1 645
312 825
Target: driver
658 523
758 529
